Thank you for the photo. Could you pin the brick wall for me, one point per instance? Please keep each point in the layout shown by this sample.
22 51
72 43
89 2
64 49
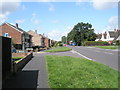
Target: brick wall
19 54
36 39
46 42
13 33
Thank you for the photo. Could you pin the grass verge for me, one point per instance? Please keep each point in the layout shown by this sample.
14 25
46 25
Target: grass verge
59 49
70 72
17 59
107 47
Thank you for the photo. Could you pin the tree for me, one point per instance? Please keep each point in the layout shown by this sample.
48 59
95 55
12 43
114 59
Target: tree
81 32
64 39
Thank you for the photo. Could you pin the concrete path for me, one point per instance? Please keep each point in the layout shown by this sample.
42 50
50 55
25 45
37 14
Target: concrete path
33 75
38 63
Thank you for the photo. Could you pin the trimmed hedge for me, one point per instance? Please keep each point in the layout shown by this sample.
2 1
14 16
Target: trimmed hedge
95 43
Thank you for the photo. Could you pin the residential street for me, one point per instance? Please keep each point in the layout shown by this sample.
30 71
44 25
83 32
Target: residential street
105 56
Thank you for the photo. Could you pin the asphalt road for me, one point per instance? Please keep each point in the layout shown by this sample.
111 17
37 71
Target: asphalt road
104 56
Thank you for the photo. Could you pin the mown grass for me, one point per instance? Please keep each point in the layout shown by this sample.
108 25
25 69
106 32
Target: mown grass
107 47
17 59
70 72
59 49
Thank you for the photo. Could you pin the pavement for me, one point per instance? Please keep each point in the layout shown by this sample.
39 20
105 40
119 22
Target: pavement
33 75
104 56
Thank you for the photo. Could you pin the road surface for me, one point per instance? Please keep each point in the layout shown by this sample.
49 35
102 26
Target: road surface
104 56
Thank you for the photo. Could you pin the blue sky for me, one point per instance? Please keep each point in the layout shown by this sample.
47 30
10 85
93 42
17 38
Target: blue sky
56 19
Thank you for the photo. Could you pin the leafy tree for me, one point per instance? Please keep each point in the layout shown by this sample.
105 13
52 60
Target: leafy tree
81 32
64 39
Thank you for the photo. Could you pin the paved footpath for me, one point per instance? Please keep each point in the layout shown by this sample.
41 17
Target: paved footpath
34 74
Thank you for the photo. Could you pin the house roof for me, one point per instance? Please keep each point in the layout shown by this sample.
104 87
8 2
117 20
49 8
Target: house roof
112 34
99 36
118 38
117 34
18 29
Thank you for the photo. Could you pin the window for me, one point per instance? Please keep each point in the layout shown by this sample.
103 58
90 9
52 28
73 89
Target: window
5 34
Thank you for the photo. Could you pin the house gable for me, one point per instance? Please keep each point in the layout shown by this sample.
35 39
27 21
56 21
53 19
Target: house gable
12 33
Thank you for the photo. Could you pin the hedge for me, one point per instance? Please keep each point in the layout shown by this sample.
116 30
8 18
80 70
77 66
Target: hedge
95 43
117 42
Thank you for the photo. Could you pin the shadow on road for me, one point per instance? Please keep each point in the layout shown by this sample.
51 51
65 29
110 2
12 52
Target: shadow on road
23 79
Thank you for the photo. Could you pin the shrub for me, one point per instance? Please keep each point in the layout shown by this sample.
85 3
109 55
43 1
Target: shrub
116 42
95 43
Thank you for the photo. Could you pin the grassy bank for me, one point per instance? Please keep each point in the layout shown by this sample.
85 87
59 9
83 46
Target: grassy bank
17 59
107 47
59 49
69 72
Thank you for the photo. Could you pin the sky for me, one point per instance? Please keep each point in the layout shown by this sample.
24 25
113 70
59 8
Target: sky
56 19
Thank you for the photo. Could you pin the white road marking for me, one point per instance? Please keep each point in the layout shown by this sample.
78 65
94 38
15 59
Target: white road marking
108 53
82 55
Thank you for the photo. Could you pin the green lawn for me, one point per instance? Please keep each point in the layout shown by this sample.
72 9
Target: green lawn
17 59
107 47
59 49
70 72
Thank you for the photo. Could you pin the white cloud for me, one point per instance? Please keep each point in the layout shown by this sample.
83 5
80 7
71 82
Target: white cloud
7 7
57 34
100 4
113 22
20 21
104 4
34 20
3 18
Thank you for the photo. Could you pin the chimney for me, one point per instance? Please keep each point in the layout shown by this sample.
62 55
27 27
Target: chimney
16 25
36 31
43 34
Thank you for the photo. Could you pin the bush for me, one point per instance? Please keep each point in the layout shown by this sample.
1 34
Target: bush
116 42
58 44
95 43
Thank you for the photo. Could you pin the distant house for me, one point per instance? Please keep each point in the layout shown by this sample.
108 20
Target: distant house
37 40
99 36
46 41
20 38
117 35
108 36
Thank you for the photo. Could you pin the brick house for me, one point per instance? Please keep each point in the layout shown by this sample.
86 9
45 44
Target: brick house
20 38
46 41
37 40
